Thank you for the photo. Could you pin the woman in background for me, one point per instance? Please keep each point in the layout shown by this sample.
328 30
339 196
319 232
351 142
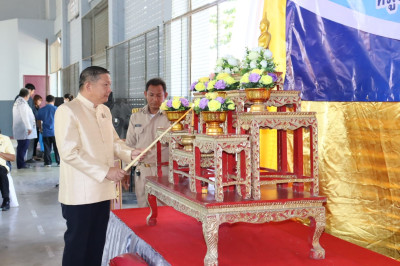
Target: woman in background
37 101
68 97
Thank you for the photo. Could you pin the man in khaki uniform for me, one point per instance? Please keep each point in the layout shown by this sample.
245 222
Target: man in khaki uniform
142 132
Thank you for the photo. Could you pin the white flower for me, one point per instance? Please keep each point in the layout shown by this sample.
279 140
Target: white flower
253 64
235 69
227 70
253 55
258 49
218 69
263 63
267 54
232 61
220 62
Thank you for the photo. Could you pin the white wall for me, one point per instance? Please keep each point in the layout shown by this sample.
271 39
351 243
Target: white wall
9 54
32 46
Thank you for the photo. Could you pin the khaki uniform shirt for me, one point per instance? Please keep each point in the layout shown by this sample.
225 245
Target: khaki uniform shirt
142 132
6 147
87 144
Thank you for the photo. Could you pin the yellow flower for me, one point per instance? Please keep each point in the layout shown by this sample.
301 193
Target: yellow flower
204 79
229 101
222 76
245 78
214 105
211 95
164 106
229 80
176 98
211 84
200 86
196 102
231 106
176 103
266 79
258 71
191 105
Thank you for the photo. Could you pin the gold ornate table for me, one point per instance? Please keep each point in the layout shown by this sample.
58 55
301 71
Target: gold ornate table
278 98
274 205
231 163
282 121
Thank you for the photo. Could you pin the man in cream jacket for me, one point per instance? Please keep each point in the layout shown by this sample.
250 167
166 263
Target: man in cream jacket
88 146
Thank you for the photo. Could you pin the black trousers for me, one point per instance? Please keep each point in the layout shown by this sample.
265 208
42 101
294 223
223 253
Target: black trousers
36 142
86 233
21 151
4 185
48 142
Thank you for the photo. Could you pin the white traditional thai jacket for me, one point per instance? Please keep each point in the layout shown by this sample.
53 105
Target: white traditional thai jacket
87 144
23 120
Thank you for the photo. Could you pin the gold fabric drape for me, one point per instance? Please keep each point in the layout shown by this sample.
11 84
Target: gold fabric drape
359 170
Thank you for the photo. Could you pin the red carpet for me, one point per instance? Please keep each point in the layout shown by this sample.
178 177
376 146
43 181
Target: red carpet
179 239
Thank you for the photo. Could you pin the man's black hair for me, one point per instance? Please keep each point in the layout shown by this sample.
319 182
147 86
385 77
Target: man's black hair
156 82
91 73
30 86
23 92
50 98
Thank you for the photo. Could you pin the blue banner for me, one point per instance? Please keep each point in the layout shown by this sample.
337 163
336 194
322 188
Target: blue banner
340 50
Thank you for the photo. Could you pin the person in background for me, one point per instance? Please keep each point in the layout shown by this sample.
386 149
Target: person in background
24 126
87 143
68 97
31 148
7 153
142 132
46 115
37 101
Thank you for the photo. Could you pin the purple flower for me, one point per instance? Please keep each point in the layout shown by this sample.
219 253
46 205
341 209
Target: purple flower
254 77
169 103
220 85
220 99
193 84
206 84
184 102
274 77
203 103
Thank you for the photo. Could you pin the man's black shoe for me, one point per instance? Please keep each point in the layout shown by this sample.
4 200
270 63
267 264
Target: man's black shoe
5 206
31 161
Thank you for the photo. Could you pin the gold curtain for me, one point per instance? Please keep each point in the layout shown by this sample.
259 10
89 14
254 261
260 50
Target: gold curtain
359 170
359 162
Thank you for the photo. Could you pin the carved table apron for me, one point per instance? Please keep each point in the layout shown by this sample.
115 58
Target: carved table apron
275 204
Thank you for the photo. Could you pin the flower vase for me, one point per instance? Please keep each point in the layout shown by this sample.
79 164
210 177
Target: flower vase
173 116
213 121
258 96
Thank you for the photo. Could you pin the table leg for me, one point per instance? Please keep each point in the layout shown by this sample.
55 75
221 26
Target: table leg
152 218
210 232
317 226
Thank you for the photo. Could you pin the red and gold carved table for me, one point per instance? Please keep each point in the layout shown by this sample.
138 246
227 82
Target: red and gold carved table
278 98
274 205
231 162
283 121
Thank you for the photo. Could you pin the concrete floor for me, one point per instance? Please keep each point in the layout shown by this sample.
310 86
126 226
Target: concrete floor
32 234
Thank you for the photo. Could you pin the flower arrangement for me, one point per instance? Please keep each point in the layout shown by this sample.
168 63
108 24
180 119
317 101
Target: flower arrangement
176 104
211 102
257 78
222 82
258 58
200 85
227 64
